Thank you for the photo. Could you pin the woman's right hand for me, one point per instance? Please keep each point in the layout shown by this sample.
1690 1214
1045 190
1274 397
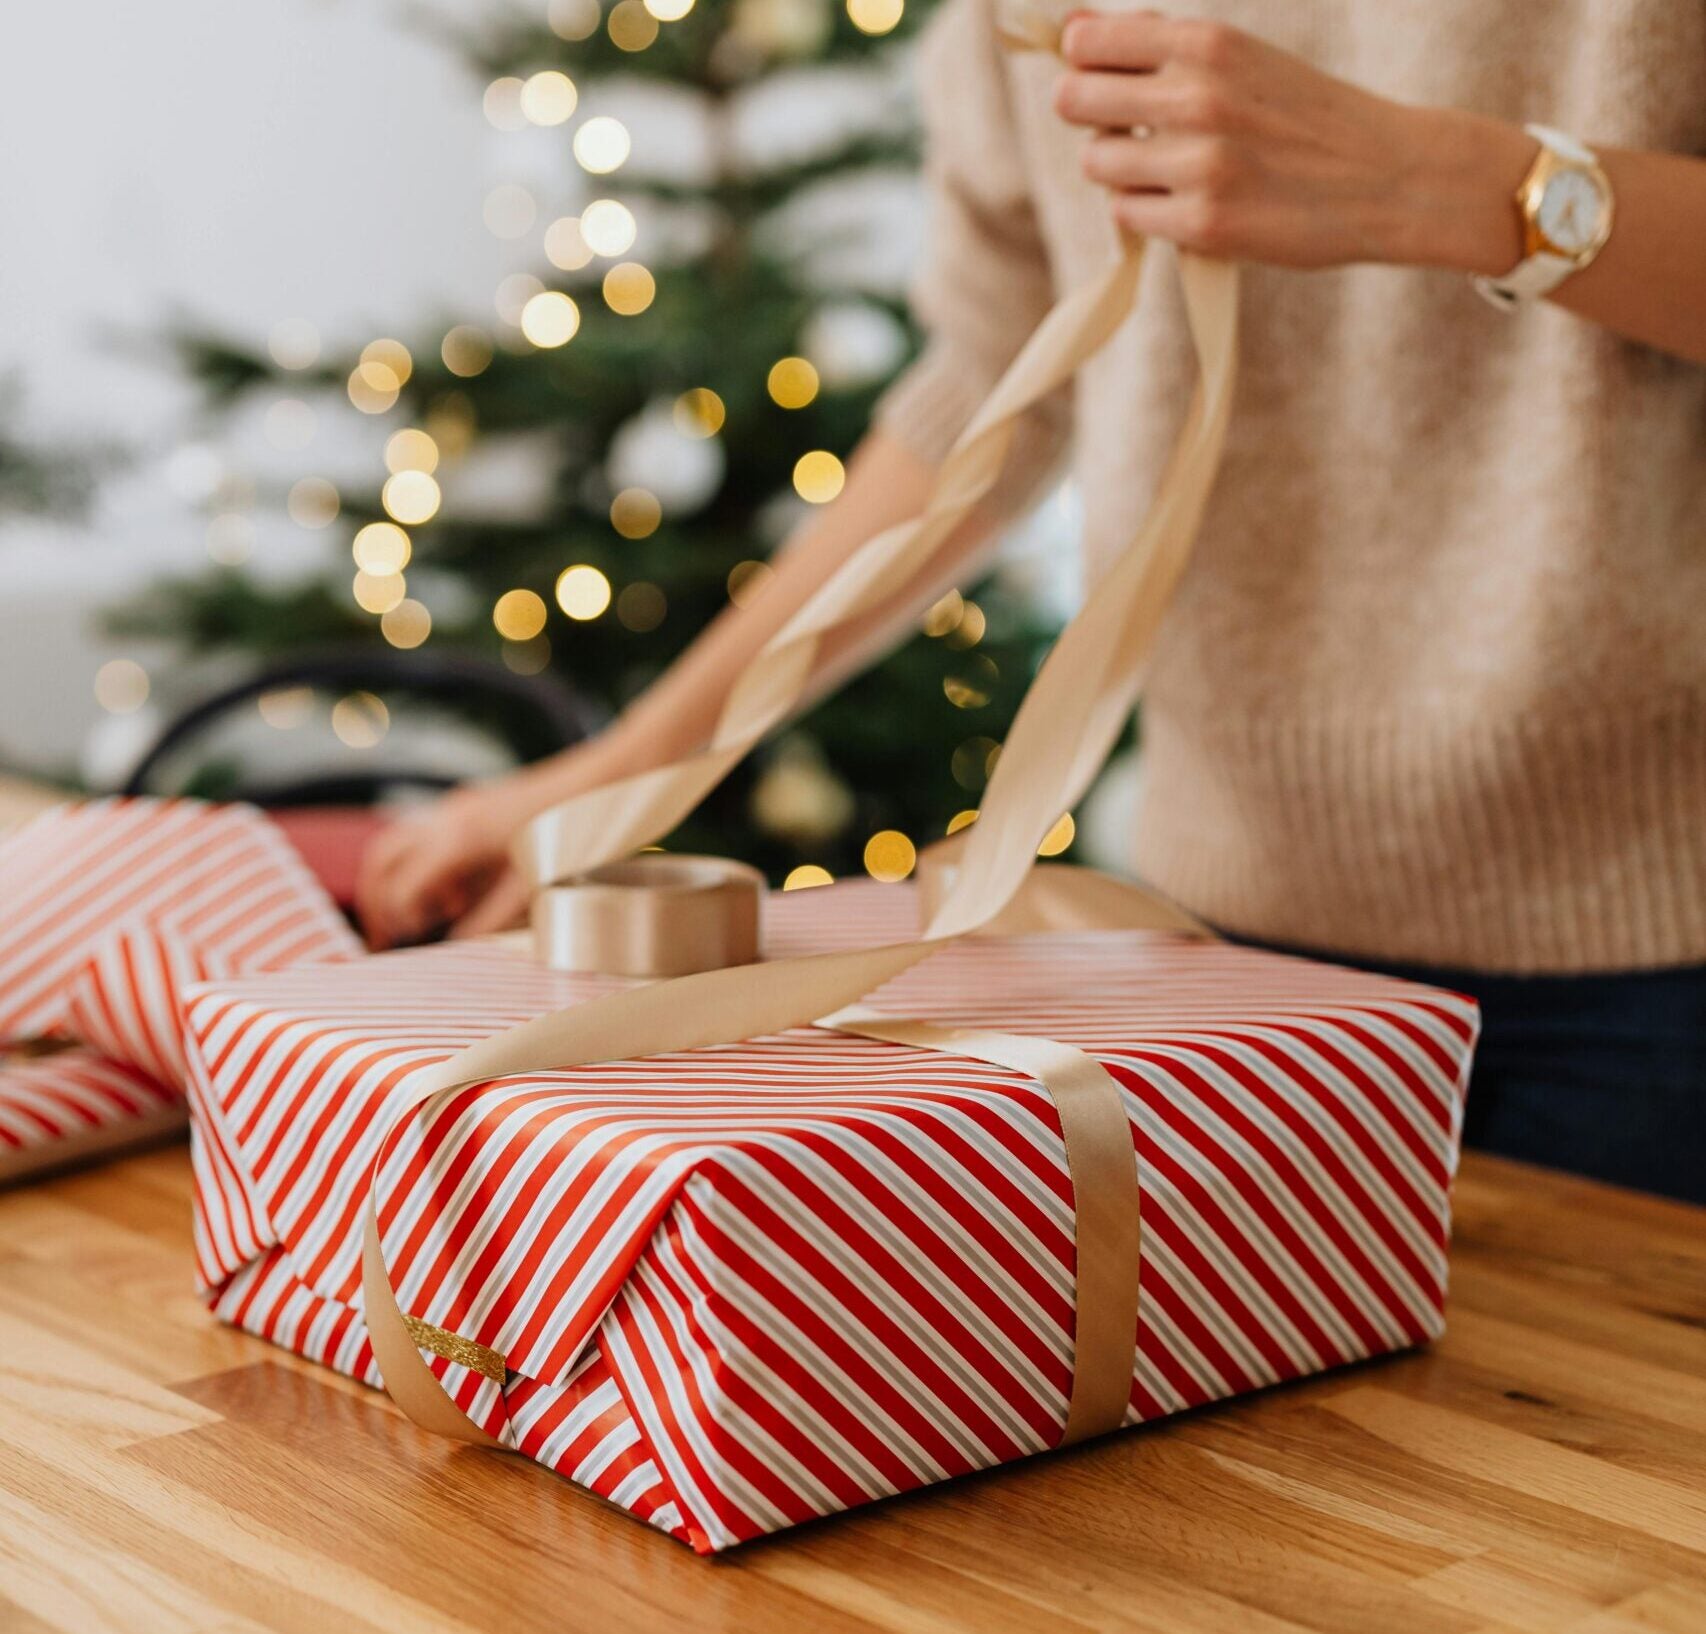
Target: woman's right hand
447 865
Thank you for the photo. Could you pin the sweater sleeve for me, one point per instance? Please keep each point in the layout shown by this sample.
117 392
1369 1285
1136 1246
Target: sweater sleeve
985 283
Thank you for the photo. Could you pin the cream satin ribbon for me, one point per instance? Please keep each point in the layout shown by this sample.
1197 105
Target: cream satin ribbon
1068 722
651 916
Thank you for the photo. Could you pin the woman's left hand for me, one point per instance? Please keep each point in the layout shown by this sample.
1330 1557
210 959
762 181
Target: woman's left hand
1231 147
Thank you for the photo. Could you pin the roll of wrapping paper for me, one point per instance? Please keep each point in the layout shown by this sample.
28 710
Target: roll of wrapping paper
1068 722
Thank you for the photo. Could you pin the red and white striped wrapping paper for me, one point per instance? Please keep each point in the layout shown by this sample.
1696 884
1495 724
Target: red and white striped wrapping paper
75 1104
749 1285
108 910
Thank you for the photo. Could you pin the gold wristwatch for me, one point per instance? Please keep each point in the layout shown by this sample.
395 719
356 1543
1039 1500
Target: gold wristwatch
1567 209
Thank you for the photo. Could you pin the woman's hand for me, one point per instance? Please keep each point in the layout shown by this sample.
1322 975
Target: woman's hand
447 865
1231 147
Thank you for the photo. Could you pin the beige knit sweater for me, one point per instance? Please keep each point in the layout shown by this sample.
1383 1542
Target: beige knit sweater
1434 687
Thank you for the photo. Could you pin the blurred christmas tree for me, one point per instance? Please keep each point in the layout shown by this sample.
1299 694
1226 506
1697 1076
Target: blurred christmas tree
691 376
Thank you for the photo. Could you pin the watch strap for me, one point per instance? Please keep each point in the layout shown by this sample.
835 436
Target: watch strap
1565 146
1539 274
1528 280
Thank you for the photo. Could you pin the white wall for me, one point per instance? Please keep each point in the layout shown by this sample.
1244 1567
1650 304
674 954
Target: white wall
246 163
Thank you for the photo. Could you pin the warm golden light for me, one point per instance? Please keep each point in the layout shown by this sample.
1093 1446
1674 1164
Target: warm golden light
602 145
699 413
407 625
968 629
573 19
971 763
121 686
548 97
466 351
1058 838
669 11
509 210
635 513
974 683
381 547
411 450
360 720
608 227
582 592
629 288
806 876
513 293
294 344
641 607
793 382
565 244
889 856
748 581
410 497
631 26
944 614
378 592
527 657
285 708
502 103
961 819
550 319
450 423
390 354
312 503
519 615
290 424
373 387
818 476
876 16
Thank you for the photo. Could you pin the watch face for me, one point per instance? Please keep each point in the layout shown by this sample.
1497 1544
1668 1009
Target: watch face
1570 211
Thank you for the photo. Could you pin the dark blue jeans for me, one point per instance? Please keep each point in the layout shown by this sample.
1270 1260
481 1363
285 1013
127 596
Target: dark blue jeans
1604 1075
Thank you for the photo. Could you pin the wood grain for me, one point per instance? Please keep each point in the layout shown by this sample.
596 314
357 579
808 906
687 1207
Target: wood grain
1543 1470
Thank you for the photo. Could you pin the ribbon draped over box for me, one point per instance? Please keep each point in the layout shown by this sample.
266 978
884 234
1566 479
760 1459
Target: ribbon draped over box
1065 728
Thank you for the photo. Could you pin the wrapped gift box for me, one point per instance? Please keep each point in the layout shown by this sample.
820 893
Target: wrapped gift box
73 1105
734 1289
110 909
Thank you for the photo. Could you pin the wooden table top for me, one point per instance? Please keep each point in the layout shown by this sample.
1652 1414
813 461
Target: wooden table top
1543 1468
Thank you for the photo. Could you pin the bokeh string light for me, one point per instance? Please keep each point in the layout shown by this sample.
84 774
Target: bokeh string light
550 318
407 625
381 547
807 876
378 592
629 289
890 856
548 97
519 615
466 351
410 497
641 607
818 476
876 16
582 592
635 513
792 383
631 26
602 145
573 19
699 413
608 227
121 686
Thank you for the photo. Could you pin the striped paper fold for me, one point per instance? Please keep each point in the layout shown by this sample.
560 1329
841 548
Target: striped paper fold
745 1286
109 909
